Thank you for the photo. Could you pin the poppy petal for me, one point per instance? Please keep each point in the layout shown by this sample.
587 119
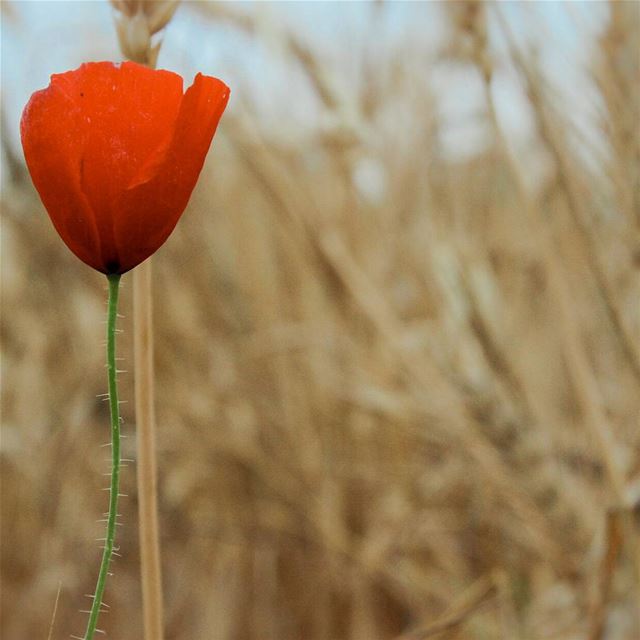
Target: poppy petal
54 162
150 208
114 151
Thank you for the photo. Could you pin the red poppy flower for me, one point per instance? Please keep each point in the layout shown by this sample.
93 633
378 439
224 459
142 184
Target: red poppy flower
115 151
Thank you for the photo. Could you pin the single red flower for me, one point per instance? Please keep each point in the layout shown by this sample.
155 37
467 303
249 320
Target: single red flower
115 151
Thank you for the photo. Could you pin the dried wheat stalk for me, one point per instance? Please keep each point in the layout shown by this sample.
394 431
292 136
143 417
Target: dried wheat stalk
136 22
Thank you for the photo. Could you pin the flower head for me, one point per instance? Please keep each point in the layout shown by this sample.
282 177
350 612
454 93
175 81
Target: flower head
115 151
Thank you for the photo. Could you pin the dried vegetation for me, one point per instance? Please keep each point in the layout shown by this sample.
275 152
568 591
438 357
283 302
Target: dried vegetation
398 391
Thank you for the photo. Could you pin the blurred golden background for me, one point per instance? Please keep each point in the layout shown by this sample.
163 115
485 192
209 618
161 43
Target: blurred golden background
397 332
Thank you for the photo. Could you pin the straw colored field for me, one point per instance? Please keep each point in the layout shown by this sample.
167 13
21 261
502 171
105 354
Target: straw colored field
397 385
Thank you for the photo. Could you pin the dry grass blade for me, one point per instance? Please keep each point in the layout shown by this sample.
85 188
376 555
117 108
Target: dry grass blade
610 552
474 599
55 611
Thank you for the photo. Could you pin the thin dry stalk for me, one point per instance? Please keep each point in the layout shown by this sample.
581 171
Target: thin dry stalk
479 595
55 611
585 386
136 22
553 137
146 466
611 549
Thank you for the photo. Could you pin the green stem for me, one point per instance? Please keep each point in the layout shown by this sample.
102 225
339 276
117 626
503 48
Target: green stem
112 314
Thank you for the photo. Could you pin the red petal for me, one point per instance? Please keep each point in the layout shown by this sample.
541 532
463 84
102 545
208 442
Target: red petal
103 137
53 161
156 198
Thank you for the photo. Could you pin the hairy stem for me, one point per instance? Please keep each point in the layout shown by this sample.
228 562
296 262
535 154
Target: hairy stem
112 311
